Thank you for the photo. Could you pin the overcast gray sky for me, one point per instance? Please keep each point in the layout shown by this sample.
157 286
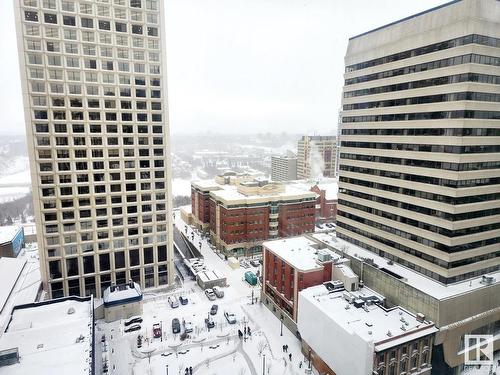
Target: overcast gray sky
242 65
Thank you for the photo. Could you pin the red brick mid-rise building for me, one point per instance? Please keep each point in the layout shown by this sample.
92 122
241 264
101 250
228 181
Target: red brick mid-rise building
291 265
240 212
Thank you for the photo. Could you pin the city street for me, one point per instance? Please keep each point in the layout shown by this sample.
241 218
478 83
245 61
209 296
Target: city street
218 350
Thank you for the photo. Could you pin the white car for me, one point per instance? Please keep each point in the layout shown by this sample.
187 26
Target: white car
218 291
210 294
173 301
230 317
188 326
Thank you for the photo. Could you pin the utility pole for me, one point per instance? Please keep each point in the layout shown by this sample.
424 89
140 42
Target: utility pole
263 364
281 318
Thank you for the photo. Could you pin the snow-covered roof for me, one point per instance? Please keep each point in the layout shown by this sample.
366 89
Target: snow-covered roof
299 252
383 327
231 193
209 275
8 233
331 189
10 270
206 184
119 294
408 276
54 338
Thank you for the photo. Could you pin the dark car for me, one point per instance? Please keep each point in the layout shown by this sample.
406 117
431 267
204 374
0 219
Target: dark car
255 263
132 328
214 309
133 320
176 325
183 300
210 323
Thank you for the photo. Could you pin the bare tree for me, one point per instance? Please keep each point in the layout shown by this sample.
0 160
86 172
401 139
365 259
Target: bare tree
261 346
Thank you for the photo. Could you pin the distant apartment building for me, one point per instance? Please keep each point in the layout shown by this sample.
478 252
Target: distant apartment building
316 157
284 168
94 86
326 197
351 332
241 212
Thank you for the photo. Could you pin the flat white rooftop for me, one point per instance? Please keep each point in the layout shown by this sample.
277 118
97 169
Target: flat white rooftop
373 324
230 192
8 233
52 339
425 284
10 271
299 252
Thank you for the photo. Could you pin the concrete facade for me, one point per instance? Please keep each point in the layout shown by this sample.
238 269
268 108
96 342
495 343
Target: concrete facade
94 88
419 162
283 168
316 157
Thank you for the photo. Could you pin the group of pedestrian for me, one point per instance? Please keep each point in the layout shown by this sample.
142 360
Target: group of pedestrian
188 371
285 348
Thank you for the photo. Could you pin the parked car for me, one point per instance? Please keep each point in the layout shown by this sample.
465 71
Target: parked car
132 328
214 309
209 323
188 326
230 317
183 300
132 320
218 291
176 325
173 301
244 264
210 294
156 330
255 263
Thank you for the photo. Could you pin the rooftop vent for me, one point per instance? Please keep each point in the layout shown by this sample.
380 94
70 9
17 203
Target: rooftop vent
389 333
71 310
420 317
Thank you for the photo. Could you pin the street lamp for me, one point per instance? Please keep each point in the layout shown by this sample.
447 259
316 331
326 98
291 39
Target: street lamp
263 364
161 327
281 318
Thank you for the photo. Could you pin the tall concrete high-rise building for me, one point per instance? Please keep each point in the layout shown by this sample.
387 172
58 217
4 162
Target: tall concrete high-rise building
316 157
93 77
420 143
284 168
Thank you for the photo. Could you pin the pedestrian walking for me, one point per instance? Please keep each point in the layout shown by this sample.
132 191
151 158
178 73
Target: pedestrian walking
190 370
290 356
300 364
283 348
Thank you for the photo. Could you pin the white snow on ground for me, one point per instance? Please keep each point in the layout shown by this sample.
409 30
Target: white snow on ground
218 351
9 166
11 193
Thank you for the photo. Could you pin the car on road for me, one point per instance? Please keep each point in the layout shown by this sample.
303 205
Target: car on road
230 317
244 264
218 291
132 328
188 326
173 301
255 263
209 323
214 309
183 300
132 320
176 326
156 330
210 294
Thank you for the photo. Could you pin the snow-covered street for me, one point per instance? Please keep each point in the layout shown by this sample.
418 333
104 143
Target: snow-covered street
218 350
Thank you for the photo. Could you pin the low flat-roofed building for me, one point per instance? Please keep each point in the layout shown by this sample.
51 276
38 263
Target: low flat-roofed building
352 333
21 283
469 306
52 337
11 241
122 301
290 265
210 278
